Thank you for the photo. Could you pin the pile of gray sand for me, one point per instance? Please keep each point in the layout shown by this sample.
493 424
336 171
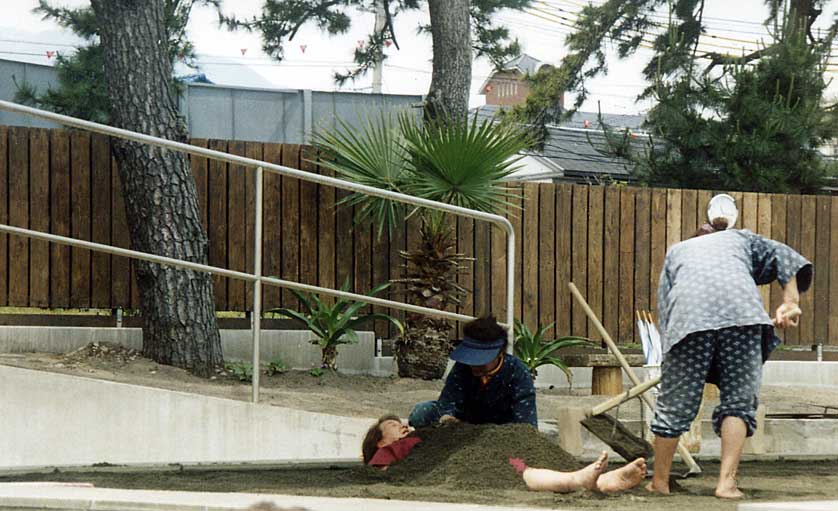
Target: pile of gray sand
473 456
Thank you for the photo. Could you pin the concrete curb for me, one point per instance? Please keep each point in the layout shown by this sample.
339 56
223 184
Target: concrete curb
66 497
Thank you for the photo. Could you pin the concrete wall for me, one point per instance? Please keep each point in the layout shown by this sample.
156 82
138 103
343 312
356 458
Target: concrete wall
52 419
292 346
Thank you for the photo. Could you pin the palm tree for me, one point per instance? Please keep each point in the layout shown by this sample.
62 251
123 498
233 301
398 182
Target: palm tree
463 163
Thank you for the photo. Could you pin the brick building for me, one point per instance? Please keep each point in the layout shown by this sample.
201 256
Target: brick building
509 86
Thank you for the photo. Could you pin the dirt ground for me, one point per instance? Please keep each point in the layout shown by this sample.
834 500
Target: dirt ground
371 397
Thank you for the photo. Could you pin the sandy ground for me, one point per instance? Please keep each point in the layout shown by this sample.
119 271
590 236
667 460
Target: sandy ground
371 397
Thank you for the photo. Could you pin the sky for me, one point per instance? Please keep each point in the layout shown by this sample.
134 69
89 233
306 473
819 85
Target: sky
236 58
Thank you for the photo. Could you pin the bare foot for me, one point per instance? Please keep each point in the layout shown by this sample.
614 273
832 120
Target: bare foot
654 487
588 476
727 489
623 478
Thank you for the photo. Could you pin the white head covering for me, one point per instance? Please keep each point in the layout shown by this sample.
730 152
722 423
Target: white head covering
723 206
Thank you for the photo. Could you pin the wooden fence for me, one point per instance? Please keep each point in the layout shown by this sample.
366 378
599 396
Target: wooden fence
610 241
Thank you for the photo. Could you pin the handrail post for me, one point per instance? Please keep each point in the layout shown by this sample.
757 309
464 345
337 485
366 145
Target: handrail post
256 324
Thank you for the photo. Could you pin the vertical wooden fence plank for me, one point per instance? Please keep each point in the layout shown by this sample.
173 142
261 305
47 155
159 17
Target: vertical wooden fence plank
807 244
236 227
4 218
59 216
198 165
101 226
465 246
642 244
764 229
517 219
611 256
748 212
39 207
290 223
673 217
530 255
482 269
344 243
547 255
498 256
689 208
308 218
19 216
398 243
80 204
794 240
362 233
217 205
579 258
252 150
833 273
778 233
380 275
596 219
271 228
626 322
120 266
702 200
658 241
820 314
564 225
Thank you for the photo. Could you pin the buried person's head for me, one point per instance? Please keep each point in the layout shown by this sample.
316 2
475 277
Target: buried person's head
482 347
385 431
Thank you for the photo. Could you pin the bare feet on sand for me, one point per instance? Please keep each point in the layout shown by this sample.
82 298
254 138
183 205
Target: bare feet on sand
623 478
654 487
727 489
588 476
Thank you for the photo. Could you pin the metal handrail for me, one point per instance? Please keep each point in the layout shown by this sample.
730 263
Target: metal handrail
257 278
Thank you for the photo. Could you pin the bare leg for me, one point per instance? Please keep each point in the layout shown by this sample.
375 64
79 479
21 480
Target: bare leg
542 479
664 452
734 432
623 478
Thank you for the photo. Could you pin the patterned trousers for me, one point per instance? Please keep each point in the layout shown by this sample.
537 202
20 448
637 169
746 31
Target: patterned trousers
737 354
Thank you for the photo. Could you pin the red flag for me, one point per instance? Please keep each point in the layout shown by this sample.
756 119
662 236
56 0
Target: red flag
361 43
387 43
50 54
243 50
303 48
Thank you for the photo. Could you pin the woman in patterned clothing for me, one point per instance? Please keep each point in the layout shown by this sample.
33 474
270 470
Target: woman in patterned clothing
714 324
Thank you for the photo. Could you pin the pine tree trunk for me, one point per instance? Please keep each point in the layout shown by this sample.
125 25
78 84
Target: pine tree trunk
178 307
451 78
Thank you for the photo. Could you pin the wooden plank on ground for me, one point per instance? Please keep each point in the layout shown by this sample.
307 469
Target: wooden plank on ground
778 233
794 240
530 255
547 254
236 226
40 213
217 202
59 216
658 242
764 229
4 214
642 244
611 261
820 313
833 273
100 154
673 217
19 216
807 243
252 150
625 332
579 258
564 211
596 221
271 228
290 223
80 224
120 266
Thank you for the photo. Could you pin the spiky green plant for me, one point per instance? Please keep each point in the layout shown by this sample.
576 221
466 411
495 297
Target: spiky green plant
460 162
534 351
336 324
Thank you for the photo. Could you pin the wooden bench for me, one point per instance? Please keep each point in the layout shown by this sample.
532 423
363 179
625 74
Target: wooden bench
607 377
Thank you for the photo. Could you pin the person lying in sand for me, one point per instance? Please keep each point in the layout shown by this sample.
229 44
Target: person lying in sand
389 440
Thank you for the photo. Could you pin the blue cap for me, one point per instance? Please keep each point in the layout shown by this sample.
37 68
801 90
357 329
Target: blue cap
472 352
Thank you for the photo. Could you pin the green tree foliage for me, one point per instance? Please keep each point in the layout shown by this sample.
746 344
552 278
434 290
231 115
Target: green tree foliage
82 88
742 122
279 22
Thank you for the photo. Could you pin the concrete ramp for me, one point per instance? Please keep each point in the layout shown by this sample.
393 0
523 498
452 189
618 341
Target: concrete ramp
51 419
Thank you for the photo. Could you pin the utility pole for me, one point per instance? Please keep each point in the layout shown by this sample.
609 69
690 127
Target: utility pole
377 71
